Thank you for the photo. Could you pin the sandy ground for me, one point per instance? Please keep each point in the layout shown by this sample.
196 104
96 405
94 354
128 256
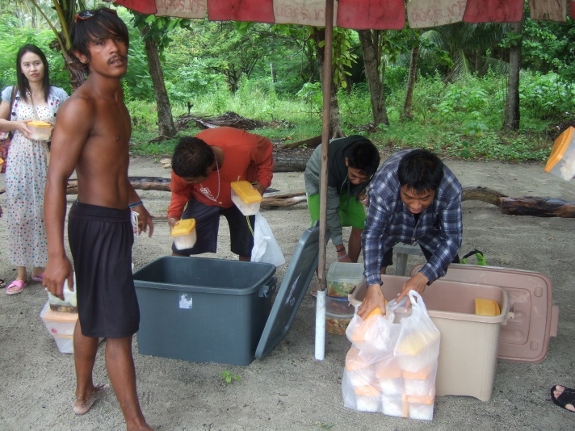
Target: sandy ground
289 389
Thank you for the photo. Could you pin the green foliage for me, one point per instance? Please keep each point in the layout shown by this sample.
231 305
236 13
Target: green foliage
228 377
546 95
311 95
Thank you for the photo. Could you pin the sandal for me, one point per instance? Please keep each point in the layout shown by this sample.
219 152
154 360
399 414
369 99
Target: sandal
2 283
566 398
38 277
17 286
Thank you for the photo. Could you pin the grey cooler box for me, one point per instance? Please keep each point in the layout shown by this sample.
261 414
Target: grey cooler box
216 310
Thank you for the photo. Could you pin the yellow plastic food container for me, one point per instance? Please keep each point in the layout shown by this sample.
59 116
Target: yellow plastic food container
41 131
246 198
184 234
561 161
486 307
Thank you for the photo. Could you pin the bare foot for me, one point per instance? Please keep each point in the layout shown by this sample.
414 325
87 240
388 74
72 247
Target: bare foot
83 406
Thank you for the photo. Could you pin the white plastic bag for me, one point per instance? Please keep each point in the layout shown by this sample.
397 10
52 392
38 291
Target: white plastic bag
392 364
266 248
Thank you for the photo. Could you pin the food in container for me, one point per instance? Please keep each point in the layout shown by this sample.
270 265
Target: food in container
395 405
487 307
184 233
336 324
245 197
41 131
360 371
368 398
342 277
421 407
338 306
390 377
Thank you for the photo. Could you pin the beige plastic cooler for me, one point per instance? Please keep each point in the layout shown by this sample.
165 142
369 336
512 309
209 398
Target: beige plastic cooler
469 342
532 318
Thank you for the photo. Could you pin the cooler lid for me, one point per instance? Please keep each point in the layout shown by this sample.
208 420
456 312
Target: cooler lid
532 318
300 271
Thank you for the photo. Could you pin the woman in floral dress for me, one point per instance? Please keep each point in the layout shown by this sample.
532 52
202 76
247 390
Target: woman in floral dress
27 163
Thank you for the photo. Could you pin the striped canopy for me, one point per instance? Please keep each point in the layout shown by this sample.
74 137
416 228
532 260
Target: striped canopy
358 14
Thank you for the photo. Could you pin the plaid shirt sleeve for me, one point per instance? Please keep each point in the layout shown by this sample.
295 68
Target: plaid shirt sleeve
448 242
383 196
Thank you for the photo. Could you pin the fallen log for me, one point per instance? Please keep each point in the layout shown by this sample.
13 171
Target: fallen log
306 143
538 207
527 205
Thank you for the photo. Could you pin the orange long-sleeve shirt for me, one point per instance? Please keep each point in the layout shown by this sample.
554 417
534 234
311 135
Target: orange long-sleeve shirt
246 157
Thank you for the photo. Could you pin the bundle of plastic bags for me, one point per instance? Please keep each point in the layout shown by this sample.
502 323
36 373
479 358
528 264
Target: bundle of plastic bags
392 364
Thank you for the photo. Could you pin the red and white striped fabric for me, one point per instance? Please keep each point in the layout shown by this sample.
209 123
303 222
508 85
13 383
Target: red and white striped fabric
356 14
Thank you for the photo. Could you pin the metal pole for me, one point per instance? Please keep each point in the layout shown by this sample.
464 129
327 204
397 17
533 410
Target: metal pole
326 88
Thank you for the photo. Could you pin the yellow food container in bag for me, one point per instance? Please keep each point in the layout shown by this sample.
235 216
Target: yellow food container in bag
184 234
246 198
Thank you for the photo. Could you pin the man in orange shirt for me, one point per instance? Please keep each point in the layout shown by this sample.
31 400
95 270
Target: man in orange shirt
202 169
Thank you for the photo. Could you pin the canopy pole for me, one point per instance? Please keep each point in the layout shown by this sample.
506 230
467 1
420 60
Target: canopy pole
321 270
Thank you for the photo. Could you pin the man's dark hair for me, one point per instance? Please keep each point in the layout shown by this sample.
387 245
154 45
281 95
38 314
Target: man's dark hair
192 158
102 23
420 170
23 84
363 155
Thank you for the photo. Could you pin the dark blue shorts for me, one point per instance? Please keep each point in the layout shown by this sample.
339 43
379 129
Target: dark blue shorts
101 242
208 224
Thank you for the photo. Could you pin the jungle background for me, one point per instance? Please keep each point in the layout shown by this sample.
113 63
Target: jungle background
469 91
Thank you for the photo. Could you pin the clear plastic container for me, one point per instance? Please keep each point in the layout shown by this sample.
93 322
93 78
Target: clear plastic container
57 322
245 197
421 407
395 405
338 306
561 161
65 343
368 398
41 131
184 234
343 277
69 304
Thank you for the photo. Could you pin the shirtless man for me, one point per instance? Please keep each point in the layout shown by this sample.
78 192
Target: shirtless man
91 137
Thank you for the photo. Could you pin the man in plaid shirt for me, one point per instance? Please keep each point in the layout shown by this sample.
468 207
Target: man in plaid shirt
413 198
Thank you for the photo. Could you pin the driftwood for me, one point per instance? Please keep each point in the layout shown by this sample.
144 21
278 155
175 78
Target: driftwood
527 205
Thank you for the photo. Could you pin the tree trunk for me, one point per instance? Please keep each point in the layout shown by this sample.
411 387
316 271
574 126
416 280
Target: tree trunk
165 119
76 71
407 113
372 62
335 131
511 120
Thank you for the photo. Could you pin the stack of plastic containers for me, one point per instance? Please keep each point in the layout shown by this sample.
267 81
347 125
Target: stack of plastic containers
389 372
341 280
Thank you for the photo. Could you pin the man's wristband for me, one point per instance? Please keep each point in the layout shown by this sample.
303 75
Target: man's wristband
135 204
